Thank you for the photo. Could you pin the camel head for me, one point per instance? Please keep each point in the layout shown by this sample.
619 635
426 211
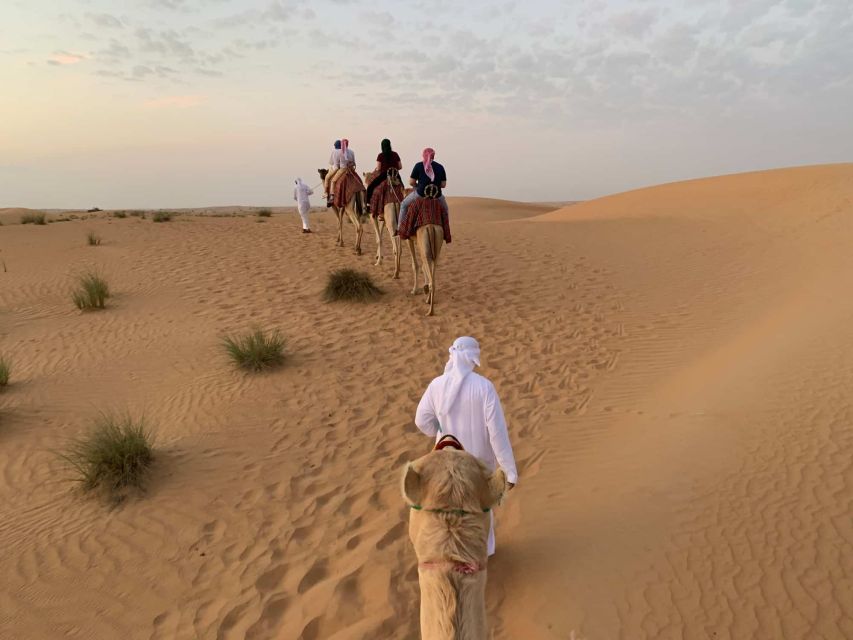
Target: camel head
323 173
450 493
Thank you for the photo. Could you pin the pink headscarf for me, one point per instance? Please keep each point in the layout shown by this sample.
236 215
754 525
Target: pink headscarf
344 147
429 156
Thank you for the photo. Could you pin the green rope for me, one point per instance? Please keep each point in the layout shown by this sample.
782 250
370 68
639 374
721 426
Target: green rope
456 512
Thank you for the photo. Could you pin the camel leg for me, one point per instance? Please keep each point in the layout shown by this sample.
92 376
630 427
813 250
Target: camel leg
431 288
395 245
412 252
430 239
356 221
359 231
340 215
391 212
378 229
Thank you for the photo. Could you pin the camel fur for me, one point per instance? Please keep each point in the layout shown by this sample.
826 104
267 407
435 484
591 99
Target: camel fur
430 240
351 211
453 601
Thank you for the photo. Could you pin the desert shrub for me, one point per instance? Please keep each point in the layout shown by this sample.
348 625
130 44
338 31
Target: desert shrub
162 216
114 455
5 371
138 214
91 292
32 218
264 213
255 351
119 214
349 284
93 239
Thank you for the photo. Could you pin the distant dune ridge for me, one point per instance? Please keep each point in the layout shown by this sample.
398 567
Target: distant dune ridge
675 364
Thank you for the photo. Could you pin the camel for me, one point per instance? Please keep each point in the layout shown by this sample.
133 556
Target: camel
450 494
389 194
354 209
427 221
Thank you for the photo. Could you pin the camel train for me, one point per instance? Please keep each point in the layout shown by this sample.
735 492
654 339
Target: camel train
426 225
450 494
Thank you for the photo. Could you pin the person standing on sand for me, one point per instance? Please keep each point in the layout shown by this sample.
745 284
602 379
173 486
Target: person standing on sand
303 203
465 405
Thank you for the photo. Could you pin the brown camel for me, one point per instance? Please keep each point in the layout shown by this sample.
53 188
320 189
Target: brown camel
389 195
450 494
354 209
427 220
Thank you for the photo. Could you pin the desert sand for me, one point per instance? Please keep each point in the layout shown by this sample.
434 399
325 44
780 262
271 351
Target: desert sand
675 363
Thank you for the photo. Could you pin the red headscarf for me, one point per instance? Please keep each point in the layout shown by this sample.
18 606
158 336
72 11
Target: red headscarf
344 147
429 156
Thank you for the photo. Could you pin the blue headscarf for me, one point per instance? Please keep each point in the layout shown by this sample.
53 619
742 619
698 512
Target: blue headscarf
337 144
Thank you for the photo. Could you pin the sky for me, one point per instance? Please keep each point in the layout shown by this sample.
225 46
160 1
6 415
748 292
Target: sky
183 103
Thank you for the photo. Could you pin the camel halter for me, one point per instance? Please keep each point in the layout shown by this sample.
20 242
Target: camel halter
390 175
448 442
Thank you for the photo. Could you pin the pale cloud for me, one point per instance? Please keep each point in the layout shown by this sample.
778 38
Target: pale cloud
175 102
63 58
735 76
105 20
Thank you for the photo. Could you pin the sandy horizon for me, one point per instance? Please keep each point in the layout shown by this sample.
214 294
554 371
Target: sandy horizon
675 364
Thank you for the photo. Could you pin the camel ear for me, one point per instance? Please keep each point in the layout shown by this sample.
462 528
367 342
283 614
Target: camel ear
495 489
411 484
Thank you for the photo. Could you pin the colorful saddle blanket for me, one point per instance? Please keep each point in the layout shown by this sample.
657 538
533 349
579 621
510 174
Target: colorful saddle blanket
385 193
424 211
346 187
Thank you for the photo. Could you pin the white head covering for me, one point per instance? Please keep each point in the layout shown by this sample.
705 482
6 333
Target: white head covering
464 356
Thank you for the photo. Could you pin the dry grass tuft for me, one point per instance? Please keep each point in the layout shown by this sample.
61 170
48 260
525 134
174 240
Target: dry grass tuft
350 285
91 292
255 351
114 456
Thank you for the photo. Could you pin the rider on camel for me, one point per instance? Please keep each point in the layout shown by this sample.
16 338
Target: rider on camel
345 162
386 160
333 163
424 174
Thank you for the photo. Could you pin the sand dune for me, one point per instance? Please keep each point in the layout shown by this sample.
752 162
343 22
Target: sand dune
675 364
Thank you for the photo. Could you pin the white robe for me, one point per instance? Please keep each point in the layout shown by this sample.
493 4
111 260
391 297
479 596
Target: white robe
300 194
476 419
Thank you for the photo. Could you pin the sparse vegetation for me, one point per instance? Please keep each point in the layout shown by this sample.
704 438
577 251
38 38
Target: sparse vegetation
162 216
93 239
351 285
255 351
114 456
5 371
119 214
138 214
91 292
264 213
32 218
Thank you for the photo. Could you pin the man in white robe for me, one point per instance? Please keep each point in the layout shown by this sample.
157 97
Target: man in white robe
465 404
301 194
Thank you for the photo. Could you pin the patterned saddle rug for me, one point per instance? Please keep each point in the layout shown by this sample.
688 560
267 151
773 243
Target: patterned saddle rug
385 193
346 187
424 211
